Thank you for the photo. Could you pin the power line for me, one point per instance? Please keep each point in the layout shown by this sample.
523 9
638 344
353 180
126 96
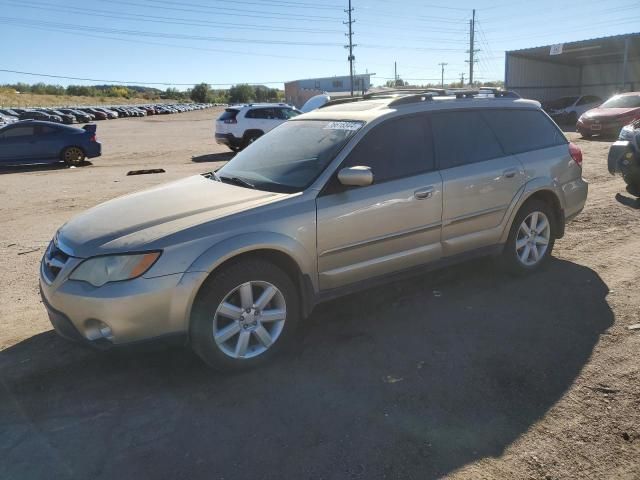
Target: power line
128 82
160 19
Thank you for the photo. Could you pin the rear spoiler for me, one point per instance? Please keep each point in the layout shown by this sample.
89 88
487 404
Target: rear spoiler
90 128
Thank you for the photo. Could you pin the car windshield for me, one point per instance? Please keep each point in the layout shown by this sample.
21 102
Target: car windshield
290 157
622 101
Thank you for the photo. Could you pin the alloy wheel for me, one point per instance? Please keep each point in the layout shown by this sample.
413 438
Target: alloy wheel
533 237
73 155
249 319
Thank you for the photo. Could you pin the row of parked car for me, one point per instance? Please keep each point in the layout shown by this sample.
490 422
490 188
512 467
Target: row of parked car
73 115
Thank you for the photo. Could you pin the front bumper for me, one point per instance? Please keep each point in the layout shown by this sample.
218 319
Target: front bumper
601 128
119 312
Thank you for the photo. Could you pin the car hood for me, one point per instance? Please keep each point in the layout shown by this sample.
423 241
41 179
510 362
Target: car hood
609 113
133 222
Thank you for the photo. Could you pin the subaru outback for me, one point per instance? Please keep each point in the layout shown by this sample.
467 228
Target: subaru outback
339 199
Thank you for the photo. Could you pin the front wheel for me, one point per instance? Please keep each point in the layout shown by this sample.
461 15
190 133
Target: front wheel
73 156
531 238
244 315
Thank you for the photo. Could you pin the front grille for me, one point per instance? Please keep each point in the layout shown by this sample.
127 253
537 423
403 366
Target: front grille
54 261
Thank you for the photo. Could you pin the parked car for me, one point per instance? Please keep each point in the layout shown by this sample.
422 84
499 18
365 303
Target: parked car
322 205
569 109
38 115
81 117
611 116
239 126
7 112
624 156
33 141
67 119
6 119
314 102
96 113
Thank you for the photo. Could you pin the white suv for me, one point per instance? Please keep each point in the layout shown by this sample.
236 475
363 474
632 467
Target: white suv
240 125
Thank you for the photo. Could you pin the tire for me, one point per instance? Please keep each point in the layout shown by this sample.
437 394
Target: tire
241 342
250 138
515 257
234 148
73 156
633 184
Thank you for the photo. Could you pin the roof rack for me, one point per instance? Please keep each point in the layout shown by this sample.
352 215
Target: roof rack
415 95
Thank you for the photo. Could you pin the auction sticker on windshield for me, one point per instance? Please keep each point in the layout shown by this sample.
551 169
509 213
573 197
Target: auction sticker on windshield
352 126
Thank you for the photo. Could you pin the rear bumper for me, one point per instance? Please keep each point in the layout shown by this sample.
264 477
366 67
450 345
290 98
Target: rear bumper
93 149
228 139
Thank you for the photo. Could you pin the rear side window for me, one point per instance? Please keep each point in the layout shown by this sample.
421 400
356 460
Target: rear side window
395 149
228 114
524 130
463 137
261 113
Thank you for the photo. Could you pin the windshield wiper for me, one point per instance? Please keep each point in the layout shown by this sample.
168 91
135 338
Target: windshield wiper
236 181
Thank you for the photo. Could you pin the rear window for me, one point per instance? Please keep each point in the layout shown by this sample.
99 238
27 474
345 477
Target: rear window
524 130
228 114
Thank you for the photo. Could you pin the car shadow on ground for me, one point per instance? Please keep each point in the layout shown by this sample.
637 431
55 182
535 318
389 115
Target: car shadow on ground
411 380
628 201
213 157
41 167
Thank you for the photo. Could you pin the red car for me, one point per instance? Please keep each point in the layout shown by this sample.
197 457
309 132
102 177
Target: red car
611 116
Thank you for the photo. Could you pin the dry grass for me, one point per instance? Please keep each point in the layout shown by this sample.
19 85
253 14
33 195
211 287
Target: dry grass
12 99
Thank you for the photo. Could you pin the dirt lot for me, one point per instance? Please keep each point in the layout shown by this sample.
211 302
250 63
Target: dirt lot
463 373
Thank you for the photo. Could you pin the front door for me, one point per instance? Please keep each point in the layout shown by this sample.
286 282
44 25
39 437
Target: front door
391 225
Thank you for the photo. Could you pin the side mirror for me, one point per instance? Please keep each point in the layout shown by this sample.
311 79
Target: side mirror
356 176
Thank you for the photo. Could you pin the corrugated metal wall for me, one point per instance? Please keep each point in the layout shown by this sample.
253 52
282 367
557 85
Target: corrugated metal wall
540 80
545 81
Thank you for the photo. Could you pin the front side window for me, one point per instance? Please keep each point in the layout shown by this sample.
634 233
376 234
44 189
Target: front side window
463 137
397 148
290 157
287 113
524 130
17 132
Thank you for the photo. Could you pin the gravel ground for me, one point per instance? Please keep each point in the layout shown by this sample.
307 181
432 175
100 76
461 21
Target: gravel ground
462 373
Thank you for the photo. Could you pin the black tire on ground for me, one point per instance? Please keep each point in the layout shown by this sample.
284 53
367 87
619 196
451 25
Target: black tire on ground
234 148
250 138
585 135
73 156
510 259
633 184
215 290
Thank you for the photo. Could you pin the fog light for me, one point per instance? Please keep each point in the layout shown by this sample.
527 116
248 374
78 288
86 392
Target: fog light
95 330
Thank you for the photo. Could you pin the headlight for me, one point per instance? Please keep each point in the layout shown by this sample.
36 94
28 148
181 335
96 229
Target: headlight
113 268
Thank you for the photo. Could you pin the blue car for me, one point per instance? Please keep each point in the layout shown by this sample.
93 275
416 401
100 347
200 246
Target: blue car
33 141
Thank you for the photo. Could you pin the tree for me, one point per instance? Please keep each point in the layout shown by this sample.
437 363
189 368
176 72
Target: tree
200 92
241 93
396 83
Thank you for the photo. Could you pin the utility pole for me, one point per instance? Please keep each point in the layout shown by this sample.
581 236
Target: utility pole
443 65
462 79
472 50
395 74
350 22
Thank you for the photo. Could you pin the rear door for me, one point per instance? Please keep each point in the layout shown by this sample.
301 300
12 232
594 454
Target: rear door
391 225
480 180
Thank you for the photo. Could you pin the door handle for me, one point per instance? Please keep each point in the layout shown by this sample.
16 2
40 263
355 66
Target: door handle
423 193
510 173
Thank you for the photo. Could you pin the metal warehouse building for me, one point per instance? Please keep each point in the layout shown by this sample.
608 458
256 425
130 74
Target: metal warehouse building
600 66
297 92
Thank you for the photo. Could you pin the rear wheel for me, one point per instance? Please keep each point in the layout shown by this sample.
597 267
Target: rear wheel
531 238
633 184
244 315
73 156
249 138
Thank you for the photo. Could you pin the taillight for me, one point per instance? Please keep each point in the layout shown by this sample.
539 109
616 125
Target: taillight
575 153
93 138
230 120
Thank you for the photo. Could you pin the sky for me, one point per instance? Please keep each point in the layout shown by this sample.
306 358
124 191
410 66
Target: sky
223 42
